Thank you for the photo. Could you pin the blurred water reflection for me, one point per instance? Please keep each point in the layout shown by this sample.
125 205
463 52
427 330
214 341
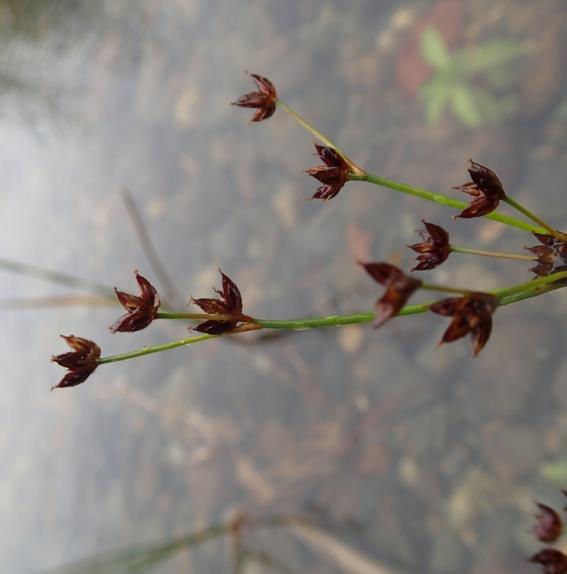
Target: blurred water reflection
420 460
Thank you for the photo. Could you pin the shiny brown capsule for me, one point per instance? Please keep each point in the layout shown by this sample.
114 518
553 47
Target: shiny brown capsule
265 99
333 174
434 249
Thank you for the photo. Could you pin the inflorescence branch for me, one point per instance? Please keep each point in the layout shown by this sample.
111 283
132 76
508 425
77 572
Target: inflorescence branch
470 310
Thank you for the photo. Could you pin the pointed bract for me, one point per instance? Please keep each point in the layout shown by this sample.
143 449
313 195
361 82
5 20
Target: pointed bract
472 314
552 561
548 525
229 302
141 309
434 249
399 288
485 188
333 174
80 362
265 99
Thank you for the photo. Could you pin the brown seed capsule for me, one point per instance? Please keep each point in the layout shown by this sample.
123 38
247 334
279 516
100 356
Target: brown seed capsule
333 174
472 314
552 561
141 309
485 188
399 288
264 100
228 302
548 526
434 249
80 362
551 254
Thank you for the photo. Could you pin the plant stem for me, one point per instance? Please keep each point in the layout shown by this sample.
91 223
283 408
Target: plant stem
57 277
311 129
498 254
505 296
519 207
444 289
443 200
194 316
154 349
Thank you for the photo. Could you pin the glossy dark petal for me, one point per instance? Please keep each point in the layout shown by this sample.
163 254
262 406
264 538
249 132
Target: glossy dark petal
381 272
215 327
548 525
131 322
481 206
231 294
486 180
553 561
211 306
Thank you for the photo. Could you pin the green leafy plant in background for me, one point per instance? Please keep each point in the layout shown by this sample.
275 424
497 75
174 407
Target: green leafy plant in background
474 84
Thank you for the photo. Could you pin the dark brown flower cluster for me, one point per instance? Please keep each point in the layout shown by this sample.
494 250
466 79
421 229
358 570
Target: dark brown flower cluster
228 304
548 528
472 314
551 254
141 309
80 362
399 288
265 99
333 174
434 249
485 188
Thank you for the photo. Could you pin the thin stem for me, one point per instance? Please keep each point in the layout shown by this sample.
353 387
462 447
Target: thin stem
498 254
444 289
56 277
519 207
155 349
505 296
443 200
193 316
311 129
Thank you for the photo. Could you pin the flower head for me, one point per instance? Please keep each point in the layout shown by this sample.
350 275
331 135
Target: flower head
399 288
485 188
472 314
333 174
80 362
265 99
228 303
551 254
141 309
548 526
552 561
434 249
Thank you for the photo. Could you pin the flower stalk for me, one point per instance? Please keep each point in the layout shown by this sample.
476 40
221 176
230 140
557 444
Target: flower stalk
505 296
444 200
496 254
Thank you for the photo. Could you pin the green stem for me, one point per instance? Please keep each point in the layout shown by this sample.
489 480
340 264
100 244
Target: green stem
193 316
498 254
154 349
519 207
443 200
506 296
444 289
311 129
